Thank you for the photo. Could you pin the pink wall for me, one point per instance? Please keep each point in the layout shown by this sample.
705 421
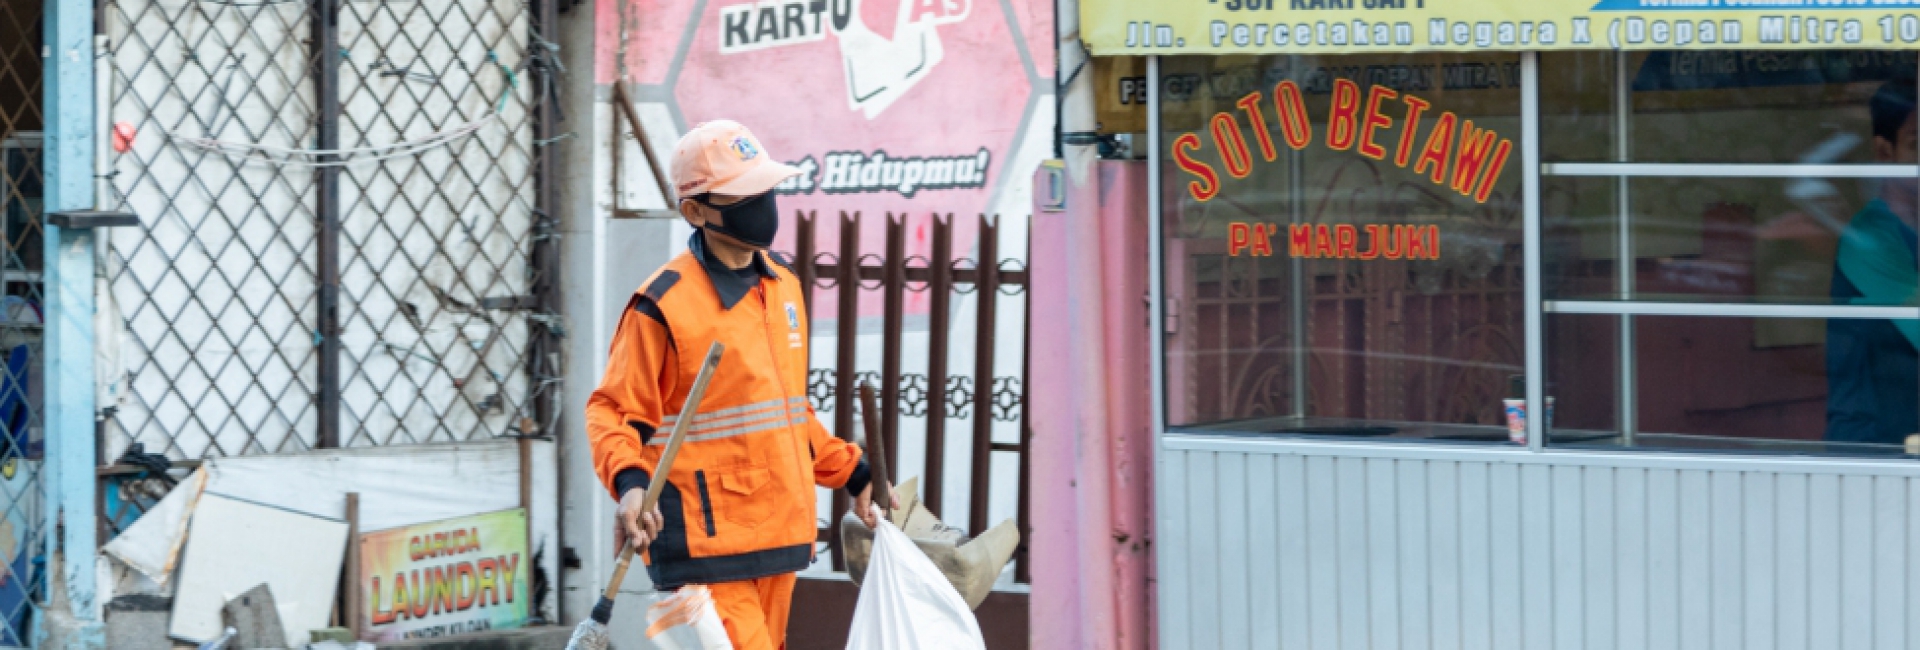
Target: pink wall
1092 425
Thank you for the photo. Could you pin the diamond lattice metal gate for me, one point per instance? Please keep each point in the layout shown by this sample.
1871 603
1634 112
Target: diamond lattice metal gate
22 538
343 241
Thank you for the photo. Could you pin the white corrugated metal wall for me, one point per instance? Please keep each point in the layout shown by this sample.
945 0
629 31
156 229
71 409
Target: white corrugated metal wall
1281 544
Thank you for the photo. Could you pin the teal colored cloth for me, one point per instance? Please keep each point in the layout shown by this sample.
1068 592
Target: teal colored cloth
1877 256
1873 365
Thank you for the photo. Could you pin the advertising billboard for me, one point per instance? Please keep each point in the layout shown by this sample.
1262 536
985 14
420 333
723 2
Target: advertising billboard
888 106
445 578
1119 27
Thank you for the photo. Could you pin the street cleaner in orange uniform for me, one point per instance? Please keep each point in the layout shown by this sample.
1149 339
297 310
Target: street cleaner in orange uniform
737 512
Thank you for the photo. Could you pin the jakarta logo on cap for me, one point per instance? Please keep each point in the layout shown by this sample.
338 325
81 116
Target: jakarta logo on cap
744 147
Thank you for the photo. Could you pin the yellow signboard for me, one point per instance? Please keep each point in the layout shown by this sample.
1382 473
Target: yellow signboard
1141 27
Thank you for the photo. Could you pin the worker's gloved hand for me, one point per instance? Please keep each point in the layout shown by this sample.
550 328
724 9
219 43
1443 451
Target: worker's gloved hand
864 507
630 523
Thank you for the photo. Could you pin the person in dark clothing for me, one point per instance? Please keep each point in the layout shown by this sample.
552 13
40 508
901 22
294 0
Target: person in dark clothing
1873 366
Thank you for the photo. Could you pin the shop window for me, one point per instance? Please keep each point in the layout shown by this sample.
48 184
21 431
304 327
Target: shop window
1342 240
1728 242
1719 383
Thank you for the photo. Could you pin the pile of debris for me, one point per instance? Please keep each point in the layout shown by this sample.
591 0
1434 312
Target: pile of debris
972 565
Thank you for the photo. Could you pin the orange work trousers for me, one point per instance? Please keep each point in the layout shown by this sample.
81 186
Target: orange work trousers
755 611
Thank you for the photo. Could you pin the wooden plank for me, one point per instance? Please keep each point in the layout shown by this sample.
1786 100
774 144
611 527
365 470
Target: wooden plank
1696 560
1263 562
1601 623
1291 495
350 572
1323 548
1823 561
125 469
1630 551
1443 553
1567 581
1856 563
1663 559
1233 561
1726 566
1172 574
1351 495
1383 561
1476 554
1415 628
1791 527
1203 551
1536 555
1759 559
624 104
1890 549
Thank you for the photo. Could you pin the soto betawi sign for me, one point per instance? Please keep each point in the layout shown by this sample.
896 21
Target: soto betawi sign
1456 154
443 578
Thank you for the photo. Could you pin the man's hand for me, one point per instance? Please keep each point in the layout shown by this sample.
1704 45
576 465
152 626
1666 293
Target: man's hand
864 508
630 523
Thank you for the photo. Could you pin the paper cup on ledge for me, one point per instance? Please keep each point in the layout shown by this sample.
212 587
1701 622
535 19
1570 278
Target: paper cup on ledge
1516 412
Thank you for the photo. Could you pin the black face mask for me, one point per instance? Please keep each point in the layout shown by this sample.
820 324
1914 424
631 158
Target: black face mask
752 222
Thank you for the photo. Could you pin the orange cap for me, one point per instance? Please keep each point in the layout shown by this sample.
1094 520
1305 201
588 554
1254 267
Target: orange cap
723 157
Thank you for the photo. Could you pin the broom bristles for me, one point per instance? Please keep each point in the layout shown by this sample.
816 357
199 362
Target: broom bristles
590 635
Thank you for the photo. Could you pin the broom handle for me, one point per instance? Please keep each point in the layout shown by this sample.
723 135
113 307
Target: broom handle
666 459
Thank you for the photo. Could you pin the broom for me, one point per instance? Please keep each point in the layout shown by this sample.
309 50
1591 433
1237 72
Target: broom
592 634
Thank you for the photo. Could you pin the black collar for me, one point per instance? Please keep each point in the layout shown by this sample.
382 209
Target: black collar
731 284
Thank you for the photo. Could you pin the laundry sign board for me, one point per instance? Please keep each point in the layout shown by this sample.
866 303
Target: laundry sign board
445 578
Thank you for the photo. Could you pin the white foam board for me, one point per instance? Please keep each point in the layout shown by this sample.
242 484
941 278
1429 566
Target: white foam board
233 545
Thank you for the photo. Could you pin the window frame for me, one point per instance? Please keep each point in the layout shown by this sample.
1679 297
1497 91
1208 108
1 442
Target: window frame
1627 394
1534 303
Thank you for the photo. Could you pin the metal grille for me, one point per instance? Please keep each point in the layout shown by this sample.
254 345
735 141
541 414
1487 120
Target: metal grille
340 207
977 395
22 534
435 323
218 287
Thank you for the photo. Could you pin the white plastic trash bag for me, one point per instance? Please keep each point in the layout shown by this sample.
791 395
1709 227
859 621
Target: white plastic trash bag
686 620
906 603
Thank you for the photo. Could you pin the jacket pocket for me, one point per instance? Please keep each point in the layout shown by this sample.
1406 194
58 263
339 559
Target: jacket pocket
746 499
706 498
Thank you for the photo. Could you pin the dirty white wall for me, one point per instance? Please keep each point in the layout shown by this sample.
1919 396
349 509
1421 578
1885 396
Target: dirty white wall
219 291
218 288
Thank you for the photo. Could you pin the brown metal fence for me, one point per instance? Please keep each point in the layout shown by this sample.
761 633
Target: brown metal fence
941 395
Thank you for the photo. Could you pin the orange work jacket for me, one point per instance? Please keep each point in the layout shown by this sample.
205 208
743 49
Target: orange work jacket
739 500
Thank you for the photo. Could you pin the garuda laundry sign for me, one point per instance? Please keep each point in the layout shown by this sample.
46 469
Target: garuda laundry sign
445 578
